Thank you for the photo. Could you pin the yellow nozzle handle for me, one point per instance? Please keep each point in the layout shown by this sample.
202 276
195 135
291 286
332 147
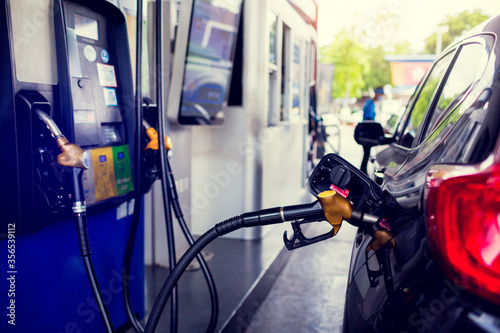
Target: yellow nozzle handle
153 136
336 208
381 238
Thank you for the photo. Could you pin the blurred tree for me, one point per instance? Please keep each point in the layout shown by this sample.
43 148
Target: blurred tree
380 69
358 67
351 63
457 25
402 48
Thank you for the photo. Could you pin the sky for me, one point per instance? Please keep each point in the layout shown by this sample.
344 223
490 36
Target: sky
416 19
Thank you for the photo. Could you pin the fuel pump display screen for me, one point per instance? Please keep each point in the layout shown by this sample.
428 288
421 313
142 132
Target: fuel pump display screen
209 61
86 27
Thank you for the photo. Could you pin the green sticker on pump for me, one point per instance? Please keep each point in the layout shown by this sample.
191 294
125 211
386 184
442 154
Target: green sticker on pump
123 173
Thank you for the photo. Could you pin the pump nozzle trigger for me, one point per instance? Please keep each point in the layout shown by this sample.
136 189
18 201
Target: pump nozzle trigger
299 240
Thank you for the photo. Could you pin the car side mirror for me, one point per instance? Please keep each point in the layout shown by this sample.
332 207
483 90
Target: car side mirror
369 133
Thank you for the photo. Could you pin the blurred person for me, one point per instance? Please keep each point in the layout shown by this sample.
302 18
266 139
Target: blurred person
369 114
369 107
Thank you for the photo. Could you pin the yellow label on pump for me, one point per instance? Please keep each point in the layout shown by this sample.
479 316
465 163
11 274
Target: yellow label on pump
104 173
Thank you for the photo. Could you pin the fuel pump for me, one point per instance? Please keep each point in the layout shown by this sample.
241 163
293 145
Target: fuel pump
65 69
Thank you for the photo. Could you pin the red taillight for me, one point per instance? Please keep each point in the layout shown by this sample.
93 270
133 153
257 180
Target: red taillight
463 215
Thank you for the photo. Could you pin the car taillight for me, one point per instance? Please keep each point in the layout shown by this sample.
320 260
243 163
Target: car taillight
463 220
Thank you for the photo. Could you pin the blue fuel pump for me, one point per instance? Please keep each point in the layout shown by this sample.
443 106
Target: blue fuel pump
84 89
76 71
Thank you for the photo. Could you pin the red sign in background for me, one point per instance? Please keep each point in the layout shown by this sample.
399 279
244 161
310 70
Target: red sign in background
408 73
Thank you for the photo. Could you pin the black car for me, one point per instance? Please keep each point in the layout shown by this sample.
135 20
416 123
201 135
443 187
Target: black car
442 166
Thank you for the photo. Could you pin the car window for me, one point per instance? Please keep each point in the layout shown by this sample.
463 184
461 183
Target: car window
404 116
424 99
461 77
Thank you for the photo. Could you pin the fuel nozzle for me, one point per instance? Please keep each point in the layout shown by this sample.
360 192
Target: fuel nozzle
71 154
334 208
338 208
330 206
153 136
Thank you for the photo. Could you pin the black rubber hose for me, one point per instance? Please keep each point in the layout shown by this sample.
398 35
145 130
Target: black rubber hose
103 310
170 283
163 156
80 215
263 217
137 175
220 229
214 299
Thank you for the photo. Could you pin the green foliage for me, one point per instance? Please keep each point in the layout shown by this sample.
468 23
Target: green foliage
402 48
380 69
351 63
457 26
358 68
